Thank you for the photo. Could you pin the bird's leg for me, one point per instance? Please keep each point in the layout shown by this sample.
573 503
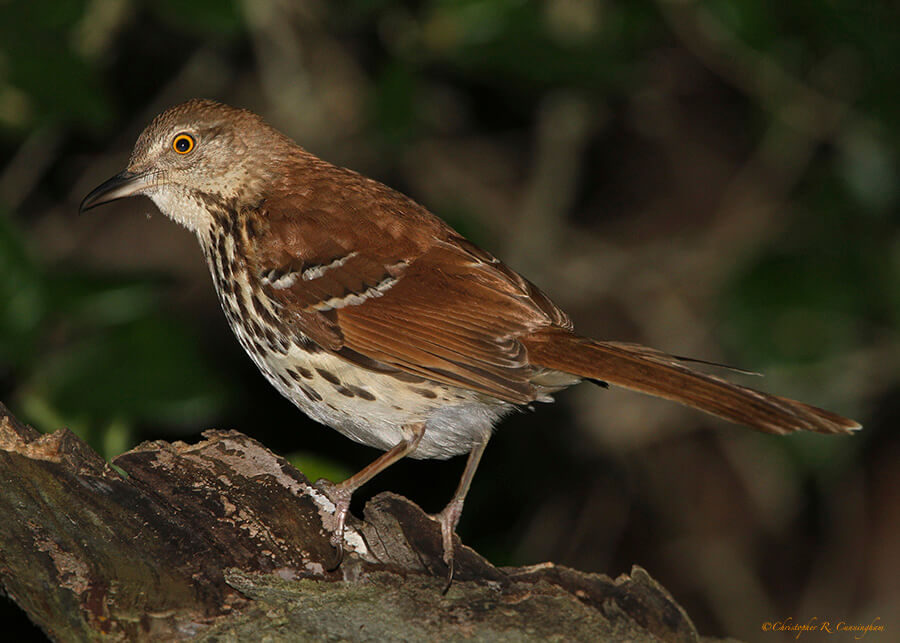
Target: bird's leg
449 517
341 493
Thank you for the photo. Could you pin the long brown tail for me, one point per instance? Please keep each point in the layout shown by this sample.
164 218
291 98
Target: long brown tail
649 371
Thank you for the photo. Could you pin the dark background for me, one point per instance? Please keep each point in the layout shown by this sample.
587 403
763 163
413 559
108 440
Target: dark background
712 178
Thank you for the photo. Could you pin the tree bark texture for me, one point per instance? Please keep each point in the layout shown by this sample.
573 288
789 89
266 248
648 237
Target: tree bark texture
223 540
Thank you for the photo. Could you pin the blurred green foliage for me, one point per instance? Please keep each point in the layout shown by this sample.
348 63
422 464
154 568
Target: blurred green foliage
315 466
94 353
51 70
99 352
830 282
72 343
203 17
45 80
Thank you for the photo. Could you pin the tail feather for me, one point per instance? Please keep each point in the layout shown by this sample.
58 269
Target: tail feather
650 371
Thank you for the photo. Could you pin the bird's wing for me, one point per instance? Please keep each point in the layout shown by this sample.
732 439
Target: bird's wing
402 293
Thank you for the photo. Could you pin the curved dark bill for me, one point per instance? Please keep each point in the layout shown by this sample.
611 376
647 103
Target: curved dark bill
120 186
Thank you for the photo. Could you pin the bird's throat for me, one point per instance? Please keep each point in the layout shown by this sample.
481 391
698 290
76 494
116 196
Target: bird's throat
184 207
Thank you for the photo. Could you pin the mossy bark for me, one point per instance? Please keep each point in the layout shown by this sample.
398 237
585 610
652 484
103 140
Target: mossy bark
223 540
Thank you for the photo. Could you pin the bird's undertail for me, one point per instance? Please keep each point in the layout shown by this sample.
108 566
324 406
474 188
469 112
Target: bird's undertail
649 371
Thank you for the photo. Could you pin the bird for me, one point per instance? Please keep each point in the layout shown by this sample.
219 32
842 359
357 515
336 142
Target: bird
375 317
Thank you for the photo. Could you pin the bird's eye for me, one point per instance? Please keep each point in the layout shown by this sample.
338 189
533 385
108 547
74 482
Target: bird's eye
183 143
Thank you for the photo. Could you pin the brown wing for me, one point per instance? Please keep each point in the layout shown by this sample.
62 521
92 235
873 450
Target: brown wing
452 318
397 286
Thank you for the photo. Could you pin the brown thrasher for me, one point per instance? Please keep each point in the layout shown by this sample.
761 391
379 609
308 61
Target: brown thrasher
376 318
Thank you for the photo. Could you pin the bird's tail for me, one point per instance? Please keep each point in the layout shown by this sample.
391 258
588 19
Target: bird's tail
649 371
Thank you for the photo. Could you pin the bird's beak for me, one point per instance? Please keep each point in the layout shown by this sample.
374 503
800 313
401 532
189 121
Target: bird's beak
120 186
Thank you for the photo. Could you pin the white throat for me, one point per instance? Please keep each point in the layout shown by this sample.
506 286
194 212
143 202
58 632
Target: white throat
182 207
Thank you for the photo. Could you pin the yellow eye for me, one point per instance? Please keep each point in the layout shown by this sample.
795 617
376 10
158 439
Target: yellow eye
183 143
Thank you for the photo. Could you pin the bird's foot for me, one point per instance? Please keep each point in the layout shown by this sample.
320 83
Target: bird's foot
448 519
340 496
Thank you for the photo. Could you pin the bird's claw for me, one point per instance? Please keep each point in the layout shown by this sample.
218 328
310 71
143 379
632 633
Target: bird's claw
340 497
448 519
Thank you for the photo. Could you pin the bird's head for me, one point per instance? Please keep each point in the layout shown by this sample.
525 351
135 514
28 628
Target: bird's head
196 156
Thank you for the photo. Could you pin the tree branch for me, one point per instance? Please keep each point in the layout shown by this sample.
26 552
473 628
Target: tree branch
225 540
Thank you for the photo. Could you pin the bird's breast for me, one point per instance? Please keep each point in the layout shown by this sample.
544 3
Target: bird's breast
367 406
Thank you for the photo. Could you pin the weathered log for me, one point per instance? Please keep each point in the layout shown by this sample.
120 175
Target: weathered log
223 540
